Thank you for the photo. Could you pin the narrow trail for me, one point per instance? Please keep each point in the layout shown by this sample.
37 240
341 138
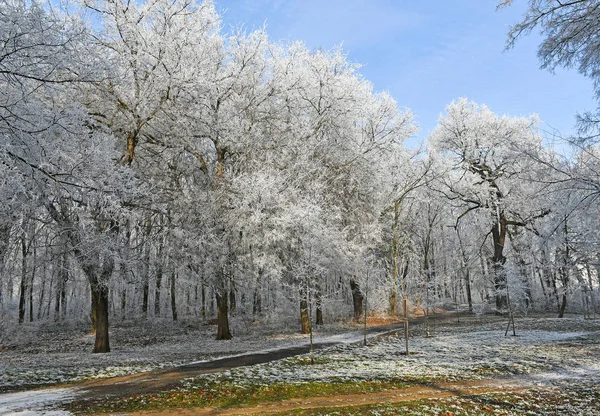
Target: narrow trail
165 379
161 380
439 390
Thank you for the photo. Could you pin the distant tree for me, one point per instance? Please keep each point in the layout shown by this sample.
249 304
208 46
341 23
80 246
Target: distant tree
571 36
488 165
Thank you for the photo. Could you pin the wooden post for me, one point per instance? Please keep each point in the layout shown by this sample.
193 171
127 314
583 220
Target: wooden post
405 307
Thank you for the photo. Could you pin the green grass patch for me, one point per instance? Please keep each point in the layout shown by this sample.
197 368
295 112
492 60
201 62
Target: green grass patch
530 402
225 394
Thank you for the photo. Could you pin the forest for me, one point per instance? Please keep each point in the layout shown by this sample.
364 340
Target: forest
153 167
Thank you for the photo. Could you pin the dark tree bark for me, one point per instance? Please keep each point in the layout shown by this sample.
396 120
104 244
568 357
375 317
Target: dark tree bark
305 322
232 301
498 260
100 295
467 275
203 301
4 243
319 302
222 316
159 272
94 311
158 280
31 283
257 298
173 300
564 272
97 266
23 287
357 300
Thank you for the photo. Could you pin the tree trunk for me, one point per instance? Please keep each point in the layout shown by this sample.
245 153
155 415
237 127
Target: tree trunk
257 300
159 272
319 302
222 316
4 243
394 282
468 287
173 302
100 302
145 290
31 282
305 329
357 300
146 268
42 293
499 237
232 301
563 306
123 276
23 286
94 311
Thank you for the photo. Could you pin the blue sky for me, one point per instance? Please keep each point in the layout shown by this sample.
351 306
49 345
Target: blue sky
428 53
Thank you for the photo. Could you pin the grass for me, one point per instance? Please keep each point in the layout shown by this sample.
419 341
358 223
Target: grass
548 401
223 393
529 402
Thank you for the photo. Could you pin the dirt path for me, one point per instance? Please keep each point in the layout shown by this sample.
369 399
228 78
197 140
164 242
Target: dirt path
465 388
166 379
161 380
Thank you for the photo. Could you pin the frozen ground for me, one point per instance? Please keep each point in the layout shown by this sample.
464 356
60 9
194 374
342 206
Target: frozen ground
36 356
39 402
547 350
559 354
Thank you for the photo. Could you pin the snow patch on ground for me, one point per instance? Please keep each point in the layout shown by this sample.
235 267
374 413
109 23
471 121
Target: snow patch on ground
471 350
38 402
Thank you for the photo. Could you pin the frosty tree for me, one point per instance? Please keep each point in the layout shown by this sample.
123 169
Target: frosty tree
488 160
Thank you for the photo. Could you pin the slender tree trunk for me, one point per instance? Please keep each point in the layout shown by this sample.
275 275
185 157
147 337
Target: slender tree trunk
591 287
563 306
203 301
145 290
173 301
305 328
42 293
465 265
257 299
222 316
31 290
123 293
146 268
157 292
468 287
357 300
59 280
232 301
564 272
63 296
159 273
4 243
394 282
319 302
23 286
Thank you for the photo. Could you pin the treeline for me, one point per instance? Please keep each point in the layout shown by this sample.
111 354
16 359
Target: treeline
154 167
